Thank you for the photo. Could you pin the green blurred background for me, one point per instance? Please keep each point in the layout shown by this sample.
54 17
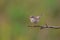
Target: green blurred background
14 19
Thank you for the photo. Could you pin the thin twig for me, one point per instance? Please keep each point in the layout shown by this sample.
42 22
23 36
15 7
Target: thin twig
42 27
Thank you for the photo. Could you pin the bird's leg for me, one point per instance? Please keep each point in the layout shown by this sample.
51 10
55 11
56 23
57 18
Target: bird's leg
32 25
35 24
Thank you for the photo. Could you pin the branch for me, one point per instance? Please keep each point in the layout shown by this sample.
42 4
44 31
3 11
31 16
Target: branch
42 27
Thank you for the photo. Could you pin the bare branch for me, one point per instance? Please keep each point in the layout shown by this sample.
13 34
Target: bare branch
42 27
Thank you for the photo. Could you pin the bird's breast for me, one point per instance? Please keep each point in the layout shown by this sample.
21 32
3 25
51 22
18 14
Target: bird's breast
32 20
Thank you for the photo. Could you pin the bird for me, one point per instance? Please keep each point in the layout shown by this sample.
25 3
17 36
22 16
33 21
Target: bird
34 19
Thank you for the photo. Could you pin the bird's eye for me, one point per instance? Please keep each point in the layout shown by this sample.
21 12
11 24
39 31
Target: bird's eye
31 16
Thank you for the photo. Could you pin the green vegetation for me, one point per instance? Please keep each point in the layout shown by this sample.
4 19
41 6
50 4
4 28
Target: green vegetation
18 12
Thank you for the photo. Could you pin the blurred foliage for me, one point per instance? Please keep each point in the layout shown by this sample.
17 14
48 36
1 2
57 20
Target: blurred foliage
19 11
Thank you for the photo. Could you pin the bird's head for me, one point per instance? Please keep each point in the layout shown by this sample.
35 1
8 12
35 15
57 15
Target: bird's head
32 16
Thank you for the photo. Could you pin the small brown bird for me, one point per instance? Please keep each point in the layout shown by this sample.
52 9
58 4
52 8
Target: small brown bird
34 19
